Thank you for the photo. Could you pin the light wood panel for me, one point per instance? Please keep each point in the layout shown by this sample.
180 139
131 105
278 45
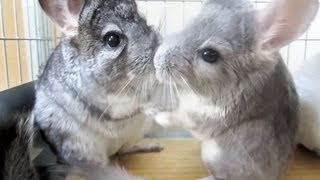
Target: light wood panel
3 83
16 53
181 161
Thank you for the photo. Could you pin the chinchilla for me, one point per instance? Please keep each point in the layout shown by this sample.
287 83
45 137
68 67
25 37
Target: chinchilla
307 80
224 80
94 85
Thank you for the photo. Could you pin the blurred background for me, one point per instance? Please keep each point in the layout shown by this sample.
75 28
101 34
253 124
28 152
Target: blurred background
27 36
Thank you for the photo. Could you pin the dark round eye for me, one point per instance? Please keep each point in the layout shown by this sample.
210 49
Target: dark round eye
210 55
113 39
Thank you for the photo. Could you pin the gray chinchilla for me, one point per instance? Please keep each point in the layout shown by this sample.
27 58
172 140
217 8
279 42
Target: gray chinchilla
97 79
95 83
224 80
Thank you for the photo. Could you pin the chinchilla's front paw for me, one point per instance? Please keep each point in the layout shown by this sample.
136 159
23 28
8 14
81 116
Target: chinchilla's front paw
174 119
211 178
165 119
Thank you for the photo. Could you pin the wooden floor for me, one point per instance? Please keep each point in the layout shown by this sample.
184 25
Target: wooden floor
181 161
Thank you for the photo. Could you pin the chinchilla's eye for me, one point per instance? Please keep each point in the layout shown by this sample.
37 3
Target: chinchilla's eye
112 39
210 55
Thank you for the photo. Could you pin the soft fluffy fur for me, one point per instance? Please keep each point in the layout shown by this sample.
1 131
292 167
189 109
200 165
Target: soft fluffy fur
19 163
17 158
89 96
307 80
244 107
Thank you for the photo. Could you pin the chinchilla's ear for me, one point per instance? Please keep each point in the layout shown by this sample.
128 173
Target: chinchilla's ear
64 13
282 21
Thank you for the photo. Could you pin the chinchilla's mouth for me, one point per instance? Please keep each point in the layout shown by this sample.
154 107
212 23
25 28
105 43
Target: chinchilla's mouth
164 74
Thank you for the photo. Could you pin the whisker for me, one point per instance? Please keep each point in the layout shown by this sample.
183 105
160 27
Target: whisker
187 85
176 89
117 95
171 95
138 91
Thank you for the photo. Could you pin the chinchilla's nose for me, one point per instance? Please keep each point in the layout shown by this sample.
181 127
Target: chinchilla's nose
162 61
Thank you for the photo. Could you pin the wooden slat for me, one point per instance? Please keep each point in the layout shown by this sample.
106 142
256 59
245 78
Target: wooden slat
13 66
25 72
18 71
11 46
181 160
3 84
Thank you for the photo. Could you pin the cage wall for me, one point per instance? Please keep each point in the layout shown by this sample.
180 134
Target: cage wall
27 36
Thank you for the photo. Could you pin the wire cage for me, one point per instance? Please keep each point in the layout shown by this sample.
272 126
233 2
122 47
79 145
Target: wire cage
27 36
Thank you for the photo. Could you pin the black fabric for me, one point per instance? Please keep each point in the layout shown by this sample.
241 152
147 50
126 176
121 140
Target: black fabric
14 101
14 104
6 138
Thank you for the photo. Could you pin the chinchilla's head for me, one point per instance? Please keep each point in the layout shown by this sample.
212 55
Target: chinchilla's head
106 44
230 44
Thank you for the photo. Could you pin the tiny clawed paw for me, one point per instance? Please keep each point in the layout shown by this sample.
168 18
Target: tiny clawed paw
157 147
209 178
164 119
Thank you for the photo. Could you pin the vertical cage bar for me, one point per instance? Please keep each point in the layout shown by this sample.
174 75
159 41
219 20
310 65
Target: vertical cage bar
4 47
18 41
306 46
42 35
183 11
36 24
29 42
47 34
54 34
165 25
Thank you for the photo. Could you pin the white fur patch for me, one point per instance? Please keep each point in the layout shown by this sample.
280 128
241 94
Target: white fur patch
164 119
210 151
307 81
189 104
194 103
121 106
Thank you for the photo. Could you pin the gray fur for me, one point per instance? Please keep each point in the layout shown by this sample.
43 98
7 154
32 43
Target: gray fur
79 95
17 162
244 107
89 95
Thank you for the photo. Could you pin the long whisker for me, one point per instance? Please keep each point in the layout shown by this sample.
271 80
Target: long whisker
171 94
137 94
187 85
117 95
176 88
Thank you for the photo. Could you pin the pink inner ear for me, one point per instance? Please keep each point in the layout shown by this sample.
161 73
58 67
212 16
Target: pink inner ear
267 17
55 9
75 6
284 20
64 12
